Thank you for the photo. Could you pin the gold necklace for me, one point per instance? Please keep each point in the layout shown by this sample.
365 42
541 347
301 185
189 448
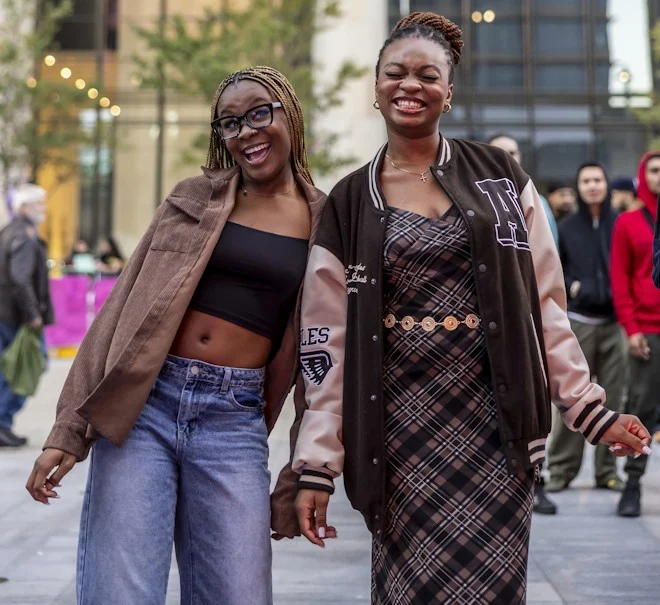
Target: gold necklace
422 176
245 192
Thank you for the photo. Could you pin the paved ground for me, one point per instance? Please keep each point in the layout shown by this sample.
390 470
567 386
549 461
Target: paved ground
586 555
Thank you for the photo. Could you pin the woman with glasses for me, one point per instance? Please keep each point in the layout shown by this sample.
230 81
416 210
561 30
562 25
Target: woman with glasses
436 298
186 368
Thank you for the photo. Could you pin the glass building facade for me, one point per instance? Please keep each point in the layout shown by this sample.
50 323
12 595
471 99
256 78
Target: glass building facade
563 77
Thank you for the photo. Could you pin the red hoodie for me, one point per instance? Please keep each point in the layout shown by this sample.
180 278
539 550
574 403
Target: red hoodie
636 299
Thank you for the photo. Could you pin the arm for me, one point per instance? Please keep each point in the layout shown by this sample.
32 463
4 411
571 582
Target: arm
656 249
319 451
579 400
22 258
621 275
69 431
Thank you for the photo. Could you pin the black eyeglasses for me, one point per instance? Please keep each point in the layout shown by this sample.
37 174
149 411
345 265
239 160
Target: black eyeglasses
261 116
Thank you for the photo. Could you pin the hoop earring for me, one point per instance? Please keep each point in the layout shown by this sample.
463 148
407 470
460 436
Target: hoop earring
376 105
446 108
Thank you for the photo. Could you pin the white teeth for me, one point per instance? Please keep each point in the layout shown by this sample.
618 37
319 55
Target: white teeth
409 104
256 148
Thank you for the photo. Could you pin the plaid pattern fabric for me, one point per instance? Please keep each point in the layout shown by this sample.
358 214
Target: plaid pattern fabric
457 527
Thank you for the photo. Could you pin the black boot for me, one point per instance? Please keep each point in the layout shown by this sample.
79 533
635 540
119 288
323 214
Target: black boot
542 504
630 504
9 439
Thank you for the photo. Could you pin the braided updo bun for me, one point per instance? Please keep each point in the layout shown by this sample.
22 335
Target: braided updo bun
429 26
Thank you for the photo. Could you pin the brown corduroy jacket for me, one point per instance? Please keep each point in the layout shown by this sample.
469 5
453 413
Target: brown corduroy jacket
124 349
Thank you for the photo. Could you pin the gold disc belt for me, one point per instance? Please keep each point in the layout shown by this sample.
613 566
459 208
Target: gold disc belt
449 323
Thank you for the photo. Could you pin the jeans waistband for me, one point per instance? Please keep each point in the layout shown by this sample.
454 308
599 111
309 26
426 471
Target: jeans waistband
193 369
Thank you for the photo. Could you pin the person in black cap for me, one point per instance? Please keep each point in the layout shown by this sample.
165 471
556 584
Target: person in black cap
562 199
624 194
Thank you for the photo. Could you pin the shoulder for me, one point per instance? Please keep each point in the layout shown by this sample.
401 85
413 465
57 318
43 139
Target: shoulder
201 186
492 160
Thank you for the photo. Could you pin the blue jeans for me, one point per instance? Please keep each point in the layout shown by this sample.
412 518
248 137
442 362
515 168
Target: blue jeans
193 473
10 402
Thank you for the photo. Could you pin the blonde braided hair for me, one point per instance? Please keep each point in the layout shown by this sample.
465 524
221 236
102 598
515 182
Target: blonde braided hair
278 85
428 26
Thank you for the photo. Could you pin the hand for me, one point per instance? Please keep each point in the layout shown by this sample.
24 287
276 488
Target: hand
639 347
40 484
627 437
36 324
311 508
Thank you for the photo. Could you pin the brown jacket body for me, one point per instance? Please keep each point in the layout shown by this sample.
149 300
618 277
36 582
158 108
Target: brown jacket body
122 354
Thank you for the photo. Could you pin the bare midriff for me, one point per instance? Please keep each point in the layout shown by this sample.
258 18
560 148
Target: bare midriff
219 342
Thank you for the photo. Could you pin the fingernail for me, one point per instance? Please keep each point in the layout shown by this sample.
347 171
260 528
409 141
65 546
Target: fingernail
647 450
614 448
321 532
637 455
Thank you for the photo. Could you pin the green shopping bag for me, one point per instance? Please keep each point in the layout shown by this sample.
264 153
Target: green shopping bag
22 362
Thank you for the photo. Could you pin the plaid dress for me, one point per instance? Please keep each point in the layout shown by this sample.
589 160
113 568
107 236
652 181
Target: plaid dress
457 527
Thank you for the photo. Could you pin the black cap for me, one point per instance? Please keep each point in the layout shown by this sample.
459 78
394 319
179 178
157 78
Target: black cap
556 185
624 183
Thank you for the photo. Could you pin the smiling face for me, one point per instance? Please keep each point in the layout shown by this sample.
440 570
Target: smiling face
263 155
413 86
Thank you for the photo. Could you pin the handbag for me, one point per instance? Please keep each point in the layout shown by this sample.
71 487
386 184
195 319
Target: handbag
22 362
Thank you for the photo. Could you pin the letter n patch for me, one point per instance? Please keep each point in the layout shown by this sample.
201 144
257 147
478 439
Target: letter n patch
510 229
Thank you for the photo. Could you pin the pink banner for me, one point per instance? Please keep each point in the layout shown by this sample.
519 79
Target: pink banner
76 301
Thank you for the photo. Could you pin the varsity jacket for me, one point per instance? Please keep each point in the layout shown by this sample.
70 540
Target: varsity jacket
533 354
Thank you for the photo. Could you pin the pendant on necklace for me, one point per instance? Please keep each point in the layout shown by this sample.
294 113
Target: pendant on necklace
422 177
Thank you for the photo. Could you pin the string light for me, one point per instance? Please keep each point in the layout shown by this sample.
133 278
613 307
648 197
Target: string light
65 73
31 82
92 93
489 16
80 84
49 60
477 17
104 102
115 110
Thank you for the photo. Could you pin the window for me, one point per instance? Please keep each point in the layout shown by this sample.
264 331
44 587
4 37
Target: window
559 37
560 77
557 7
501 76
77 30
502 37
559 151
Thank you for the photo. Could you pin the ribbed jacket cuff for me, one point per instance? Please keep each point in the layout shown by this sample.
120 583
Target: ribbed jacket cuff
594 421
67 437
318 480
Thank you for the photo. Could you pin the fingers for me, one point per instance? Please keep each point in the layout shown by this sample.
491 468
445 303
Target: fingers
67 463
631 433
36 481
307 527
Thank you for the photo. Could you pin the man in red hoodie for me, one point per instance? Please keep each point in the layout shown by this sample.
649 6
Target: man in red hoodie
637 305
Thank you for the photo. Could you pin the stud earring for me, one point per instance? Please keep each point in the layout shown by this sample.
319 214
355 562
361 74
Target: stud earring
446 108
376 105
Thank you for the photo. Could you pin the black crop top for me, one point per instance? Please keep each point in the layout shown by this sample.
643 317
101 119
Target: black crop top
252 279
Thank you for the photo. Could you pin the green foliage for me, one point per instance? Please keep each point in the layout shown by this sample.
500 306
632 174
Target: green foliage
38 124
192 57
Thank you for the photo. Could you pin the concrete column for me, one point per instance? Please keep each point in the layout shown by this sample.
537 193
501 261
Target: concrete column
357 36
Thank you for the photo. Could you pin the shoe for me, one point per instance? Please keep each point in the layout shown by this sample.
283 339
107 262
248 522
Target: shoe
555 484
542 504
9 439
616 484
630 504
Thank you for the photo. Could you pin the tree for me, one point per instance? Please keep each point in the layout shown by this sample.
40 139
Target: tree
193 56
38 118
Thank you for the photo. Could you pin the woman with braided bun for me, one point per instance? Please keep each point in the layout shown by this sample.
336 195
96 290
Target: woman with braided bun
186 368
437 289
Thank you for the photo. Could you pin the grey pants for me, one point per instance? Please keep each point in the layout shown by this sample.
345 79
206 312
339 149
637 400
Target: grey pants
643 398
605 350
